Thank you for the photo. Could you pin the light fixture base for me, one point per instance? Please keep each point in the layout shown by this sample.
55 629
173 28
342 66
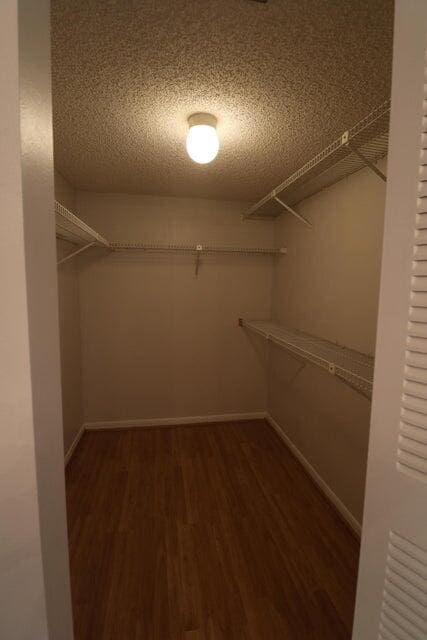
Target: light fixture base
202 118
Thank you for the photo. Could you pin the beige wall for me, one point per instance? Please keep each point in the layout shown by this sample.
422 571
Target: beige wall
326 420
157 340
328 286
329 283
35 598
64 192
69 326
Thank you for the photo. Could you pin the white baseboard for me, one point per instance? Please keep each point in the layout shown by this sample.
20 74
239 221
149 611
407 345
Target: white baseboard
171 422
325 488
74 444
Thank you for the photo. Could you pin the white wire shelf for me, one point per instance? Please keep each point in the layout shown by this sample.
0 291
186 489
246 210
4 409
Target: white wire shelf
354 368
362 145
191 248
69 227
197 250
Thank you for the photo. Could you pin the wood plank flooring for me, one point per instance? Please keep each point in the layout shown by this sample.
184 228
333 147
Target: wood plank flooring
207 532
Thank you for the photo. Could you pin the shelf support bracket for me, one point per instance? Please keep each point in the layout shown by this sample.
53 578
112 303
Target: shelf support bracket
293 212
367 162
199 250
75 253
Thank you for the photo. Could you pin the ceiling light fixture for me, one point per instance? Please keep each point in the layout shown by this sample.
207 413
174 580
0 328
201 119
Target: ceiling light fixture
202 138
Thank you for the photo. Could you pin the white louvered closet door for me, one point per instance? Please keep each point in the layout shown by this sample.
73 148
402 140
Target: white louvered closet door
392 590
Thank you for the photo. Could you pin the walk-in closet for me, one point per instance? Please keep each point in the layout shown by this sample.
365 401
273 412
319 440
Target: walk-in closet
230 310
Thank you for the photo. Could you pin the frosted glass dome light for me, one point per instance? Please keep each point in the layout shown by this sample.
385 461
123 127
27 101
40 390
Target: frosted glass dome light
202 138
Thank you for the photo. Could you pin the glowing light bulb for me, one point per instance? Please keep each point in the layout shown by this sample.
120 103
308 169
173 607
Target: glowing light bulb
202 138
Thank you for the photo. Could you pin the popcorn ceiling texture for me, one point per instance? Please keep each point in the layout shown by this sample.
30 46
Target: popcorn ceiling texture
283 78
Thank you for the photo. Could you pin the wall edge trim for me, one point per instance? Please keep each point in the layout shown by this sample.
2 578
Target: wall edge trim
74 444
339 506
171 422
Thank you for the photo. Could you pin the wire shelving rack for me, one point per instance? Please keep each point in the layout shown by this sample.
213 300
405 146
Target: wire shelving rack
354 368
72 229
191 248
197 250
362 145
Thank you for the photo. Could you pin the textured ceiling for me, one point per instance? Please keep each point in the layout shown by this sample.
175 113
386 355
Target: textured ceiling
283 78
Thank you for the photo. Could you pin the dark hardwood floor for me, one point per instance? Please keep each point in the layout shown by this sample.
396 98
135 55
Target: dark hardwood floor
204 532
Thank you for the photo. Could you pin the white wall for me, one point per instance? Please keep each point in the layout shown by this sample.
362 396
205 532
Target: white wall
69 326
328 286
35 599
157 340
64 192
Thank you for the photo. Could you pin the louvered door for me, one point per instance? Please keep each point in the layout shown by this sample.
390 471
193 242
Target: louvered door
392 590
